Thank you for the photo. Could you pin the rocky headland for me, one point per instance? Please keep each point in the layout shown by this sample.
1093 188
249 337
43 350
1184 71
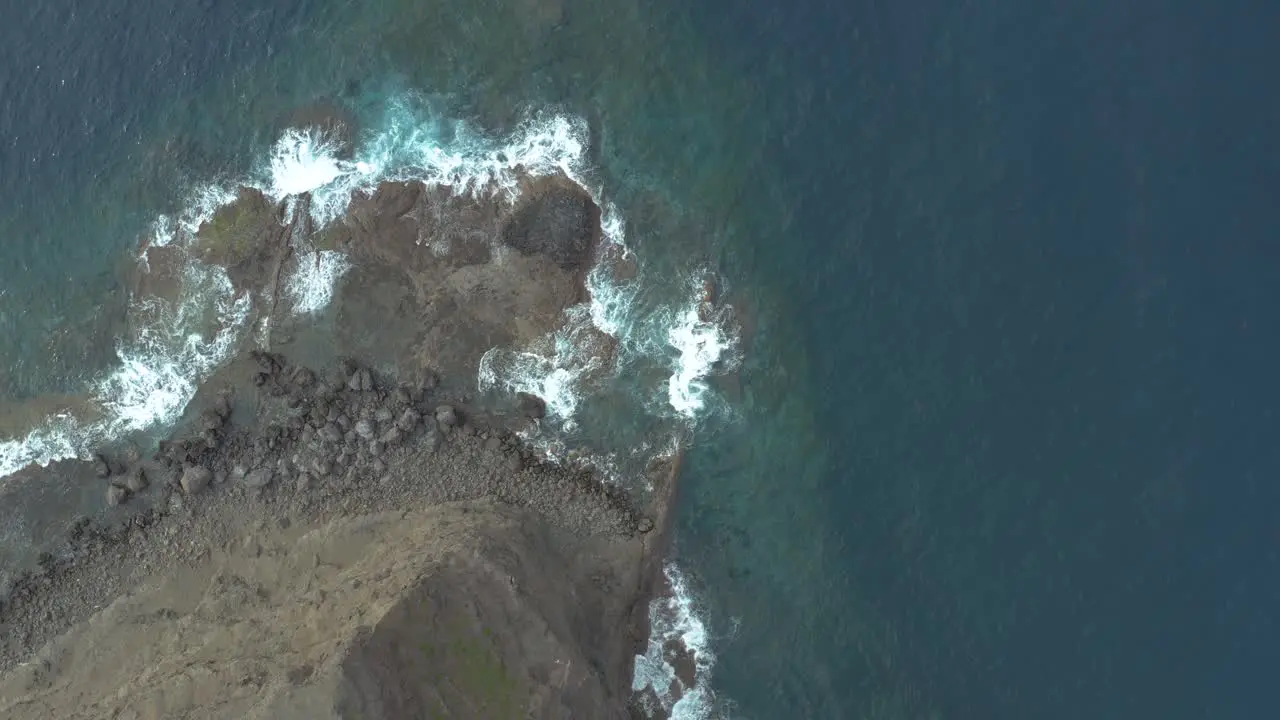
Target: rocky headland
340 526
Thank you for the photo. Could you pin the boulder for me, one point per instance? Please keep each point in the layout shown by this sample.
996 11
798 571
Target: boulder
332 433
531 405
136 480
360 381
408 420
196 478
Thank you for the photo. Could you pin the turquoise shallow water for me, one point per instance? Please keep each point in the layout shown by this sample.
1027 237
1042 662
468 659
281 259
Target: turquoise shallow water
999 444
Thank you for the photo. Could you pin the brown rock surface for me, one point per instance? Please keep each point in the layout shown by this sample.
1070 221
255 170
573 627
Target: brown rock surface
453 611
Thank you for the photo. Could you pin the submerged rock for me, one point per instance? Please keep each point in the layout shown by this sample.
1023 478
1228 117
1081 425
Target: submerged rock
116 495
446 416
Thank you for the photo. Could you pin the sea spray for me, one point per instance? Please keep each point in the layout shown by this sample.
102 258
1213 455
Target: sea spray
160 368
311 284
674 621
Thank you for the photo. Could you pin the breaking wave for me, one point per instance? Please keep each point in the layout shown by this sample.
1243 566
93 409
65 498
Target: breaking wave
161 366
674 627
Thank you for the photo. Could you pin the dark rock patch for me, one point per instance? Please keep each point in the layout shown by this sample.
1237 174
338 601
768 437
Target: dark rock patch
560 221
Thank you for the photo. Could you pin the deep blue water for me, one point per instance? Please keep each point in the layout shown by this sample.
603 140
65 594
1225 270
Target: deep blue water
1002 443
1038 272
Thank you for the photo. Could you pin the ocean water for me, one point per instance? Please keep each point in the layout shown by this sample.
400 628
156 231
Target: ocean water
985 426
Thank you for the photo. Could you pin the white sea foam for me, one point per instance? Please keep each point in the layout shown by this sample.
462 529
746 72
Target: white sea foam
675 617
57 438
699 343
304 160
182 343
311 284
160 368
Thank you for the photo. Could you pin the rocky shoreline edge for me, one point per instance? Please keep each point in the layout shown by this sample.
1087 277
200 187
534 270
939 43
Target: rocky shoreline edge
289 446
359 416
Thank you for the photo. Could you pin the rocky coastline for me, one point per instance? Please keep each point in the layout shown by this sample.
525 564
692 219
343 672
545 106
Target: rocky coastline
466 576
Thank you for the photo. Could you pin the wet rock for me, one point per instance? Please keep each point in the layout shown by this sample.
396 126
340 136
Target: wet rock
210 420
196 478
360 381
644 525
259 478
222 406
430 381
303 377
269 362
446 416
136 480
101 467
531 405
400 397
116 495
211 439
331 433
408 420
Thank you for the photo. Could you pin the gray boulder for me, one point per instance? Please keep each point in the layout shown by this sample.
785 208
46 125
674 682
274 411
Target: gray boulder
196 478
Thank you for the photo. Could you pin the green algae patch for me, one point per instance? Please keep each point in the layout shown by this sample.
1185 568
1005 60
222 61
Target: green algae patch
238 230
472 666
